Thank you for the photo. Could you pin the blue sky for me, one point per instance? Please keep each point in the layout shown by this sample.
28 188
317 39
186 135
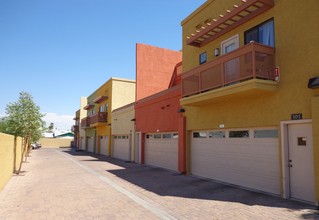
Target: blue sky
60 50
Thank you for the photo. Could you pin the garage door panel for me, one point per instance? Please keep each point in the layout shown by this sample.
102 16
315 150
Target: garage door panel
104 143
121 149
248 162
162 153
91 145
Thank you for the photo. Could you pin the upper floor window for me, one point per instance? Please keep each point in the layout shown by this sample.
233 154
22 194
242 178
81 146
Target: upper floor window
202 58
263 33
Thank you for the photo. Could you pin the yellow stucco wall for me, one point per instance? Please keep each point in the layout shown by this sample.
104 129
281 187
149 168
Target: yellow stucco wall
296 54
315 134
7 157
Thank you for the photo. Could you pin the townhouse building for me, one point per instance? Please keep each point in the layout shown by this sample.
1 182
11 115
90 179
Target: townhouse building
158 91
76 129
162 126
112 94
250 95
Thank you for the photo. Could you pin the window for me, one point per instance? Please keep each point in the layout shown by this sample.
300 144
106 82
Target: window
216 134
239 134
175 135
167 136
157 136
101 108
263 33
202 58
199 134
149 136
271 133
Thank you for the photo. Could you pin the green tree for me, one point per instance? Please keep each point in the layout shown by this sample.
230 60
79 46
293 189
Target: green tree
2 125
24 119
51 126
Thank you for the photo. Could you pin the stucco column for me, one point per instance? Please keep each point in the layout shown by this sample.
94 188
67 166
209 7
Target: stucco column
315 135
142 148
182 144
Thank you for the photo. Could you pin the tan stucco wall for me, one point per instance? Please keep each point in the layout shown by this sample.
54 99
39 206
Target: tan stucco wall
123 93
55 142
83 114
122 120
122 124
7 157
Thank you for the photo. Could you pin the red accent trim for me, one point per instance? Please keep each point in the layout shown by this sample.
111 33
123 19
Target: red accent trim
100 99
88 106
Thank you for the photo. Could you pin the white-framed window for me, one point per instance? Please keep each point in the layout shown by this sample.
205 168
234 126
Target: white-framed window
149 136
216 134
266 133
167 136
230 44
200 134
239 134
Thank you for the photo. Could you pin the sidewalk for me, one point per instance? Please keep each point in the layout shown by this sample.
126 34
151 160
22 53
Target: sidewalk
62 184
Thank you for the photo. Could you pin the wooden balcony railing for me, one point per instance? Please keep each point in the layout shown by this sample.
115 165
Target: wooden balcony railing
251 61
85 122
100 117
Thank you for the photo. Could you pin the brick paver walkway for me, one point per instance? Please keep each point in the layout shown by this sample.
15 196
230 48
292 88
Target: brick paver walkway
63 184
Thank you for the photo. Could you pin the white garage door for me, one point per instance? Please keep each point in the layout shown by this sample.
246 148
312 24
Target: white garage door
104 143
246 157
91 144
121 147
161 150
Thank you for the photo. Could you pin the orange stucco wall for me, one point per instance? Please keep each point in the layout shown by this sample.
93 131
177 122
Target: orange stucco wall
158 113
154 68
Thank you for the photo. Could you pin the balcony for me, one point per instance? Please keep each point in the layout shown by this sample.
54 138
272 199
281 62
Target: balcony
75 128
251 67
227 21
100 117
85 122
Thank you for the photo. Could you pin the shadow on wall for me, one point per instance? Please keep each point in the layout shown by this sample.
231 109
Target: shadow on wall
168 183
7 146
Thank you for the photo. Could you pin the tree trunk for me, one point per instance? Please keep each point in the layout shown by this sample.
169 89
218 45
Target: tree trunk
25 144
14 154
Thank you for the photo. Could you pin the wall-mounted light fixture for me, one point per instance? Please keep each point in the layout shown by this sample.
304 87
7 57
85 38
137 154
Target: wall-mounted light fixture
133 119
216 52
180 110
313 83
